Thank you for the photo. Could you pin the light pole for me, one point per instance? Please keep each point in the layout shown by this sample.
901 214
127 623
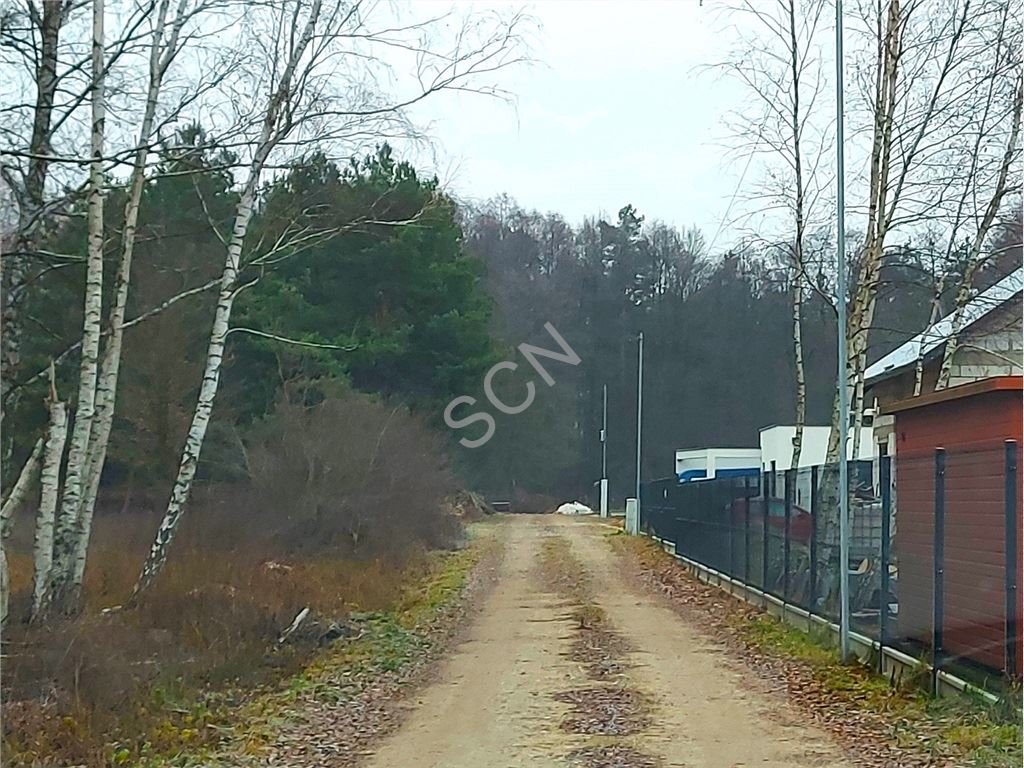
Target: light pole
844 406
639 419
604 453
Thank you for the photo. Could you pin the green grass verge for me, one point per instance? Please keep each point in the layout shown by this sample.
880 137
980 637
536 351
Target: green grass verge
972 730
246 721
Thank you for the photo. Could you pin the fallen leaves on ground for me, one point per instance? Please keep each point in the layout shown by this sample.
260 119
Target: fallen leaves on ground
606 711
878 725
352 698
601 652
611 757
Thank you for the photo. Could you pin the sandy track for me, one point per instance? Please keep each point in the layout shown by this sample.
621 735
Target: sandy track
493 707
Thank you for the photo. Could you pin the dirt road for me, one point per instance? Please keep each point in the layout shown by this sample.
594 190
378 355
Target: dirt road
498 702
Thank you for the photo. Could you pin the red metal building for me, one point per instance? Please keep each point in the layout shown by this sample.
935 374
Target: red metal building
972 423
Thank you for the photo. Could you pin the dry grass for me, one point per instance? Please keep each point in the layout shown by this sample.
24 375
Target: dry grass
146 678
333 525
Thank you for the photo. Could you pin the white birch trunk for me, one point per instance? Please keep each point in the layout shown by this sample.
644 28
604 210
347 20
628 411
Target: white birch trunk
11 503
933 318
270 135
798 245
204 406
49 481
106 390
974 259
867 289
5 586
68 523
858 414
801 379
861 310
21 486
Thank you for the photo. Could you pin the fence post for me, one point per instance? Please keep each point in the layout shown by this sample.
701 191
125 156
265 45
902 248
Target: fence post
1010 564
746 530
732 531
938 563
765 513
814 541
787 483
884 480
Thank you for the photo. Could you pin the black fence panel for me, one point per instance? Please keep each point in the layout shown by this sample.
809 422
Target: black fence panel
779 532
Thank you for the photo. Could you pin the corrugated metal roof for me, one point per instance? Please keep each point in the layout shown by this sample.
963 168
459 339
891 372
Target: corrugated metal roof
929 339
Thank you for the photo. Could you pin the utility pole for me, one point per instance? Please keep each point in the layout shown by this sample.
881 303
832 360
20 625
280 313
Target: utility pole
844 406
639 418
604 453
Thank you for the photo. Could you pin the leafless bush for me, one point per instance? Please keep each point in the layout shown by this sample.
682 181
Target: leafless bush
350 474
344 497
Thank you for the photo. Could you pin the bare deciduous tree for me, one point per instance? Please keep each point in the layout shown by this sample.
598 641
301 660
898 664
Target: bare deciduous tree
975 255
68 521
155 32
297 77
922 92
781 68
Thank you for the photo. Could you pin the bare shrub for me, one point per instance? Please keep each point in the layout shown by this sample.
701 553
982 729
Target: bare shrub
352 474
345 497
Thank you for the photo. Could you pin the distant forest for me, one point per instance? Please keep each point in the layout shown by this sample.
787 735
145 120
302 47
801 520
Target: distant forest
415 315
718 338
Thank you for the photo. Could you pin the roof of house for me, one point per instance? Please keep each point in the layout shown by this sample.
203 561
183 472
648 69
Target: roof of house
932 338
995 384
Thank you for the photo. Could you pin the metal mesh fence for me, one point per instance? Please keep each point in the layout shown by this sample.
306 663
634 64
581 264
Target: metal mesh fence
934 547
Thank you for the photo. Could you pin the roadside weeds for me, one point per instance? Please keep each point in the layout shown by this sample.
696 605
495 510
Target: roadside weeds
348 696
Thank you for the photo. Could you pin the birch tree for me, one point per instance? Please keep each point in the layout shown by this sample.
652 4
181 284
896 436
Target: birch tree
781 68
45 55
74 476
921 92
164 46
975 255
296 75
971 180
14 499
49 481
157 33
30 191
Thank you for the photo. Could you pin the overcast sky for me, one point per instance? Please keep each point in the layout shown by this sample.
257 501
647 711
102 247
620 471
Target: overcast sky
615 110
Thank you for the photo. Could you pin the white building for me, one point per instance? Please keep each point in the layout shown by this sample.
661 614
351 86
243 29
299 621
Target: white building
777 446
777 449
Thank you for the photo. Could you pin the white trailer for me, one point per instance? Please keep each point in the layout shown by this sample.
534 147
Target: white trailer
708 463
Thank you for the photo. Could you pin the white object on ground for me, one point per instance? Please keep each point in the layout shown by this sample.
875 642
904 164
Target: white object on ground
574 508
